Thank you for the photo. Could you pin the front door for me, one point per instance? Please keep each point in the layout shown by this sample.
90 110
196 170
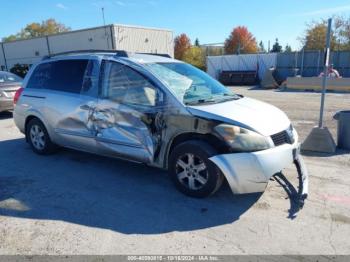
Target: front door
127 114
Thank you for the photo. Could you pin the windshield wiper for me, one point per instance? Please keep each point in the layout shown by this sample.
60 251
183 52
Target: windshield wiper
201 101
212 100
235 96
228 97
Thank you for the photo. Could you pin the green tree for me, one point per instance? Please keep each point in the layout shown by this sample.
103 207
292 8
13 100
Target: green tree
314 37
47 27
288 49
196 42
262 47
20 69
9 38
276 48
214 50
195 56
341 28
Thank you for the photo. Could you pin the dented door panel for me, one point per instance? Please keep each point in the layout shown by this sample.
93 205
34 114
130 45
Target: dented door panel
70 121
123 131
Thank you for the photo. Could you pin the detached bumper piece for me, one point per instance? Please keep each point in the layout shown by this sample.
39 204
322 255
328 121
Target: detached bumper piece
303 176
251 172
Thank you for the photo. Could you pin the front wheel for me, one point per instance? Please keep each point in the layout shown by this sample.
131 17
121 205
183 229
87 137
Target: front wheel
191 170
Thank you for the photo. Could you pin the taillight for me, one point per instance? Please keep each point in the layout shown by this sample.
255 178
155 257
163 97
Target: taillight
17 95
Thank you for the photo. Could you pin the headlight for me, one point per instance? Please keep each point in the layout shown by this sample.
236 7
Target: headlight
241 139
290 133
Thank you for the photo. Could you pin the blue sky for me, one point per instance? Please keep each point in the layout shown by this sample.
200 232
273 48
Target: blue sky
209 20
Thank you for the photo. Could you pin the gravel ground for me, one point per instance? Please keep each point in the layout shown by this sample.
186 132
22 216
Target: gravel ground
76 203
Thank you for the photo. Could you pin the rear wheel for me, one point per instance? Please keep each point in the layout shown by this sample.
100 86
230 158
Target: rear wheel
191 170
38 138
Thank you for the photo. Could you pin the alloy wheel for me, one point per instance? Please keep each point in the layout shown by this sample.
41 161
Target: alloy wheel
192 171
37 137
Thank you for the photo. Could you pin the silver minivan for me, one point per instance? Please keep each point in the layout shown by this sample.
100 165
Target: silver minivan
159 111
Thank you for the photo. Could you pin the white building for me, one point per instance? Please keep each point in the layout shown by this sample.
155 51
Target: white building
109 37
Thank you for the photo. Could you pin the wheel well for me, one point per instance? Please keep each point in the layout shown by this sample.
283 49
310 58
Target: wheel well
219 145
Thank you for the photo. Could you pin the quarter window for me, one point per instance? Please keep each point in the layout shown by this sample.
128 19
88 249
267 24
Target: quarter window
41 76
62 75
124 85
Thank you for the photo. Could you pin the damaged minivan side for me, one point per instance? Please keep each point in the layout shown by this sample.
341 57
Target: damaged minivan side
157 111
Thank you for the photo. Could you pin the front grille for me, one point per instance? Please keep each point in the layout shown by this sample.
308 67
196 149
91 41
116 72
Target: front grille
281 138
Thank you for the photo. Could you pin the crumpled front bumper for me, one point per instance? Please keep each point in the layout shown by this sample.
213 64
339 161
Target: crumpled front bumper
250 172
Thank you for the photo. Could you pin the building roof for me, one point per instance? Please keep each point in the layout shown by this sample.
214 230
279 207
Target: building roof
91 28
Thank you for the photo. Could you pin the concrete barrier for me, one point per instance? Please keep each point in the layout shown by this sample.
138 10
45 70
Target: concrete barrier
315 83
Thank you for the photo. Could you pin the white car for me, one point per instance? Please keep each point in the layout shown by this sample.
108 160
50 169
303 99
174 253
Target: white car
158 111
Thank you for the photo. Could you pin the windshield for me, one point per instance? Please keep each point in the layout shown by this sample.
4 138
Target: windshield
9 77
191 85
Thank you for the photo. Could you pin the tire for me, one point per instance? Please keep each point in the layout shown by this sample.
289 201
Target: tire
191 170
38 138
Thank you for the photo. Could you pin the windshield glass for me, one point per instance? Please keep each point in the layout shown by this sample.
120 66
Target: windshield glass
191 85
8 77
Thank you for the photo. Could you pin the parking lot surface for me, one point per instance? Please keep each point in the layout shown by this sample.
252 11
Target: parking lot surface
77 203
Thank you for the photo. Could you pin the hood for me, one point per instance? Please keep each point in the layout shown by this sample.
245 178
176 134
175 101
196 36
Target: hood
249 113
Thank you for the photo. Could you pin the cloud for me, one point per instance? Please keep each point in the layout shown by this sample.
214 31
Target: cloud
120 3
325 11
61 6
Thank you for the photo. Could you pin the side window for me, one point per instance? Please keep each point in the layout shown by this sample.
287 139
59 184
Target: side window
68 75
40 77
124 85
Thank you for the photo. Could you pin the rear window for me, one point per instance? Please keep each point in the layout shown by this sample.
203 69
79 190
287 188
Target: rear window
9 78
64 75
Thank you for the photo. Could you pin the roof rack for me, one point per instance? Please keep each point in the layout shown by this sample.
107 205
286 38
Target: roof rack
119 53
157 54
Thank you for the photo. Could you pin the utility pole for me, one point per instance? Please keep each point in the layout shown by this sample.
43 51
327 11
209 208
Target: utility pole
302 62
103 16
3 53
104 25
320 139
325 72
